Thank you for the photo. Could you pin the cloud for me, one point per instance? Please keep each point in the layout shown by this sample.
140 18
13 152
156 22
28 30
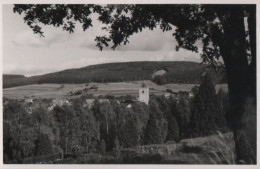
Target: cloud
182 55
147 40
28 38
52 61
150 40
26 53
28 69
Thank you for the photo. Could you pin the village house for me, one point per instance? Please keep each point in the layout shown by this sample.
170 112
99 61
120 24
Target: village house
191 94
28 99
129 106
167 95
90 102
57 102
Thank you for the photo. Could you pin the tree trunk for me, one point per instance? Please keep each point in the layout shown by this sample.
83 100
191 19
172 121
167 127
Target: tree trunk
234 55
241 75
252 39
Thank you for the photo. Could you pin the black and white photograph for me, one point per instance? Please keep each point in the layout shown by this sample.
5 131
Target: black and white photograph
162 84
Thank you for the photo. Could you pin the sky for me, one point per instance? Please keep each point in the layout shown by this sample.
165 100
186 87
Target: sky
29 54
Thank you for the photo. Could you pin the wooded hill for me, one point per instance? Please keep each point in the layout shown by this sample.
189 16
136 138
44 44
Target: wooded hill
176 72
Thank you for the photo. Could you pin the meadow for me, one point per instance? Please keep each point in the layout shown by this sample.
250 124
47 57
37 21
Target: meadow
61 91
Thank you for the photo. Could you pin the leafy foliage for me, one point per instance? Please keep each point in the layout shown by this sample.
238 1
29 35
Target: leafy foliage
204 23
43 145
107 125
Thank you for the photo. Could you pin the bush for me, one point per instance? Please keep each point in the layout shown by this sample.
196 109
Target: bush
97 159
102 147
77 93
109 160
191 149
169 90
42 159
43 145
111 97
143 159
66 161
159 80
90 159
87 96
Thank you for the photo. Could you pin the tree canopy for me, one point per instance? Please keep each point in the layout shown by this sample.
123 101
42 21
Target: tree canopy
194 23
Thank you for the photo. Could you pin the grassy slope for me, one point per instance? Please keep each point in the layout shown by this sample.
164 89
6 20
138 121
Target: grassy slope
179 72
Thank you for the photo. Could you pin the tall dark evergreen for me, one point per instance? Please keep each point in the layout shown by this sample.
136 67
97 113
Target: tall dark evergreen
173 130
152 132
205 110
169 114
183 115
157 127
131 132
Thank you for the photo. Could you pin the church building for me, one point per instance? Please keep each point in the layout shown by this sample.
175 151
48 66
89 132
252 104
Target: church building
144 94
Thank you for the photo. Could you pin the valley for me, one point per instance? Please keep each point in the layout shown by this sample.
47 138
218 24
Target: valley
60 91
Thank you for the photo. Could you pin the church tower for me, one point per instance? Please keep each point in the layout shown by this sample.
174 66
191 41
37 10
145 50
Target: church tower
144 94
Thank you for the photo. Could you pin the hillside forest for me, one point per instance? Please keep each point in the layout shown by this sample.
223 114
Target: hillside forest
176 72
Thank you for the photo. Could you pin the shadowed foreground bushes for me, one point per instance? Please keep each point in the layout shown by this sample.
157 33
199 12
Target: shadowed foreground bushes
191 149
41 159
109 159
144 159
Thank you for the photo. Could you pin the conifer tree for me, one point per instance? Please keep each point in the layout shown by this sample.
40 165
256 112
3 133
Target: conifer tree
205 109
152 132
156 129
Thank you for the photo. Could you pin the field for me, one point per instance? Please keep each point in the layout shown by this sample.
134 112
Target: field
61 91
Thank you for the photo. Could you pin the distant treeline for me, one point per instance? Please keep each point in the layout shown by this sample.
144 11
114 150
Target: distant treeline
10 76
177 72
